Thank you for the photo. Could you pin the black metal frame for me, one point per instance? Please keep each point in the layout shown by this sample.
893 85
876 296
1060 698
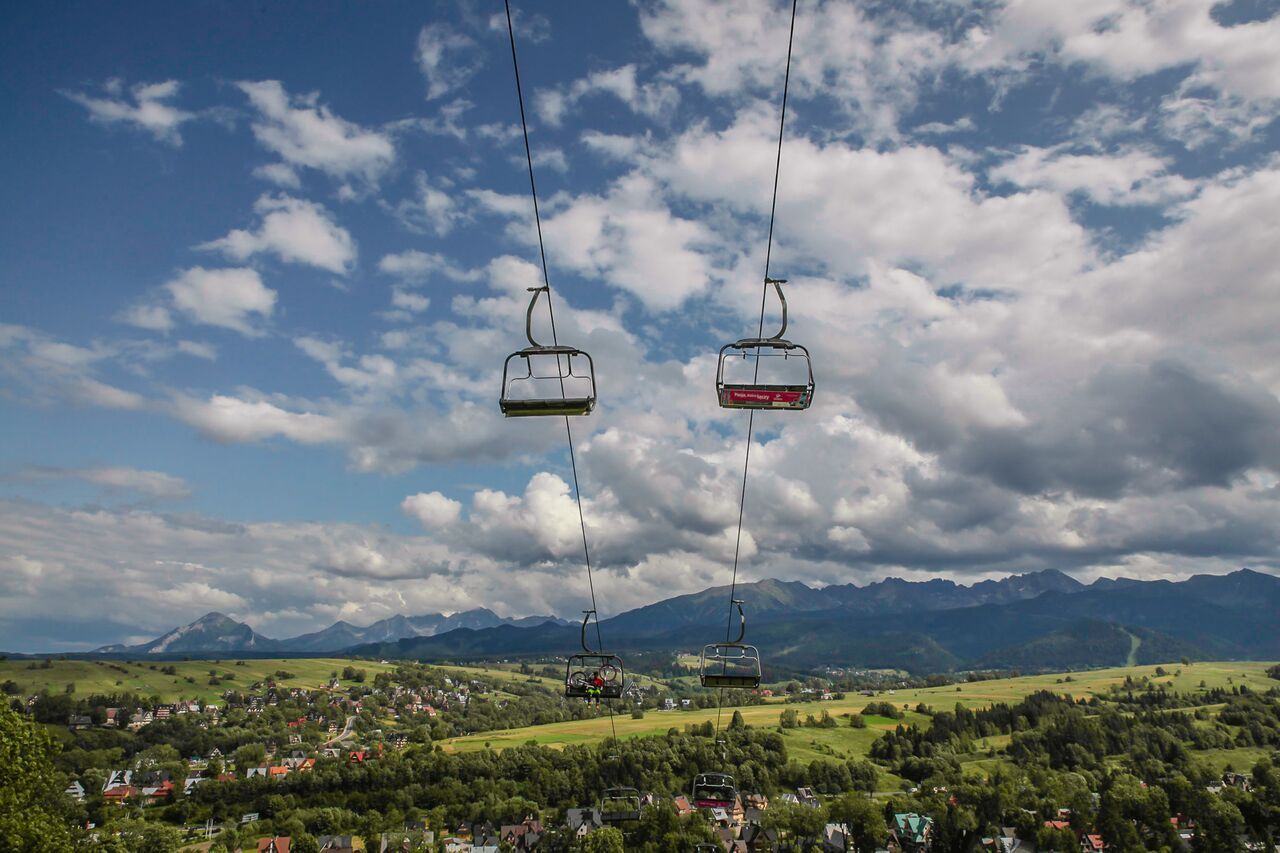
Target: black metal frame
516 407
618 805
581 669
736 653
713 780
763 395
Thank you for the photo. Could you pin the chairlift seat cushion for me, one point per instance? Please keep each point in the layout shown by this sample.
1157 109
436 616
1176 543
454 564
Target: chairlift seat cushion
746 681
549 407
793 397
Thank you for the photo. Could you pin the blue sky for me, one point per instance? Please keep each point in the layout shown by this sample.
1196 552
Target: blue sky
260 271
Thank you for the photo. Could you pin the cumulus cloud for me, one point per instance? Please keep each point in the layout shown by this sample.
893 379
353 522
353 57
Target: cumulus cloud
307 134
234 419
432 509
143 105
294 230
234 298
447 58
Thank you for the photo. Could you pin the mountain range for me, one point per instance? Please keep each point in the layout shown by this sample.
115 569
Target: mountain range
1040 620
215 632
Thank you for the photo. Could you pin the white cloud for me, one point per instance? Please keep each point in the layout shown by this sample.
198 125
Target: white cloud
447 59
146 106
432 509
407 300
629 238
233 419
281 174
1127 177
417 266
431 211
308 134
294 230
155 484
154 317
651 100
229 298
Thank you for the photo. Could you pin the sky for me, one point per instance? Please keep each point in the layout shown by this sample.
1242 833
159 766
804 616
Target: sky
261 267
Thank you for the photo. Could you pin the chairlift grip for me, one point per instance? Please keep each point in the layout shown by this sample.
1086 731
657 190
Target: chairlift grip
777 286
538 291
586 618
742 627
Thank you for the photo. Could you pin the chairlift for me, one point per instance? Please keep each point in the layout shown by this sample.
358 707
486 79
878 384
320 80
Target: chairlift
714 791
791 387
593 674
547 380
732 664
618 805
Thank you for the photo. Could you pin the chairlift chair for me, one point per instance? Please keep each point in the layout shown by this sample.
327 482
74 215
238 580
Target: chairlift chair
714 791
732 664
793 395
554 380
618 805
593 674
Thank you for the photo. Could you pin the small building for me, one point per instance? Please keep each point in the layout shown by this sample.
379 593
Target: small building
912 832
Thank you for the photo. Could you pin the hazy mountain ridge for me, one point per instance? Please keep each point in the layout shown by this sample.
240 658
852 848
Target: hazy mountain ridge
1029 621
216 632
1231 616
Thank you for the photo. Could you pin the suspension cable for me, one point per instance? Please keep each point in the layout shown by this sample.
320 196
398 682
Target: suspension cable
546 281
751 417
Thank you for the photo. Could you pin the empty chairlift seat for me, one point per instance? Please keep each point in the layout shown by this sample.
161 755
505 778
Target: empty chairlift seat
619 805
765 373
731 663
547 380
714 791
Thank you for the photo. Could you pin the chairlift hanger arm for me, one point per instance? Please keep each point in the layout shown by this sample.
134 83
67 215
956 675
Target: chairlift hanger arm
777 286
586 619
528 316
742 626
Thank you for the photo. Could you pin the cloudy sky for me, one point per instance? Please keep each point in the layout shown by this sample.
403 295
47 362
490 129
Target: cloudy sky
261 267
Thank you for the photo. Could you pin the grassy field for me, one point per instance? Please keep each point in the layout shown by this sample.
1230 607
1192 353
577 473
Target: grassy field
845 741
145 677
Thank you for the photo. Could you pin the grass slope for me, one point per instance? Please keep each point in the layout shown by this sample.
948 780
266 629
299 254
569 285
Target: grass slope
102 676
847 742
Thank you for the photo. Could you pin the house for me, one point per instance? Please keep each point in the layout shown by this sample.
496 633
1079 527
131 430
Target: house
119 794
453 844
582 822
758 838
117 778
912 832
668 704
807 797
153 794
76 722
336 843
683 806
1058 824
357 756
274 844
226 777
113 718
278 771
255 772
75 791
486 844
1090 843
191 782
756 801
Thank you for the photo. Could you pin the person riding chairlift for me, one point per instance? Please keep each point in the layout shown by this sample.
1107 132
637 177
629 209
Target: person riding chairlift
595 688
